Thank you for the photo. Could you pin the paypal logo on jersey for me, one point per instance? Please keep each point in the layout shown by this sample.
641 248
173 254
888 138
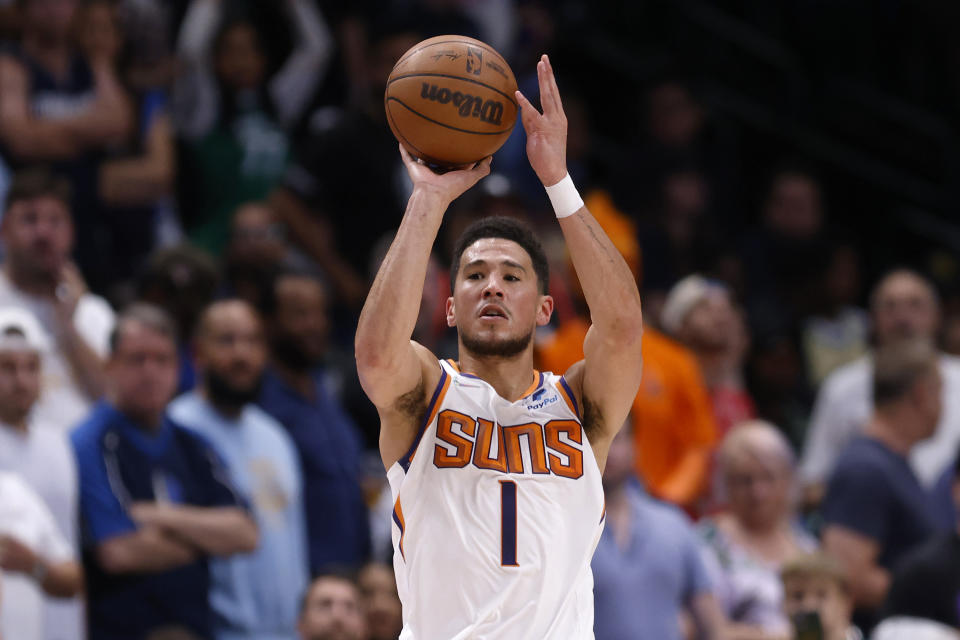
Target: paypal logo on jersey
539 401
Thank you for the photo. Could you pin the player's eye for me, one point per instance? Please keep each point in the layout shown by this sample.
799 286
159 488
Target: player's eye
512 278
473 276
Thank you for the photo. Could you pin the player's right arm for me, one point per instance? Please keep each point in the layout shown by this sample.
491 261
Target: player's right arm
395 371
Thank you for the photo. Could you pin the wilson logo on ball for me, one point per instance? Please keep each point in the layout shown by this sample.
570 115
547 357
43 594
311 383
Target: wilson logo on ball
490 111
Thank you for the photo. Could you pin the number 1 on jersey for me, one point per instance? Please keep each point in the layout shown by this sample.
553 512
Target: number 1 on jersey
508 523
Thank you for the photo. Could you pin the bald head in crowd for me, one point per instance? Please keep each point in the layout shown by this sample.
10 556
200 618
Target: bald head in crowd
904 304
757 470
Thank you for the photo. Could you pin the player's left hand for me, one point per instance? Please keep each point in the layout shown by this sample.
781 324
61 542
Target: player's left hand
547 132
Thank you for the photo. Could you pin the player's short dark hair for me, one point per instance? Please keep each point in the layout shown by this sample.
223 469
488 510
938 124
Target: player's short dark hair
148 315
37 182
508 229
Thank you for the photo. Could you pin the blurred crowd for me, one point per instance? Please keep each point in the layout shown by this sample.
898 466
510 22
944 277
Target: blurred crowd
196 195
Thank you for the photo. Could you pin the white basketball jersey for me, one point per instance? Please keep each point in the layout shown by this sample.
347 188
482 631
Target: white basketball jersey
498 507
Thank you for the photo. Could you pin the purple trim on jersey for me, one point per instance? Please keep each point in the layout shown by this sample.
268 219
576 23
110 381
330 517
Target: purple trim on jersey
399 521
538 387
405 460
569 391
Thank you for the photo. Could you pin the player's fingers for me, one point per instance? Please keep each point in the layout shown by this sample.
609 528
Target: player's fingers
526 108
544 83
552 90
528 113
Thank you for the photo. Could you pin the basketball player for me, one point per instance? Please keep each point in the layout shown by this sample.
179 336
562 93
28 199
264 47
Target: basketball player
495 468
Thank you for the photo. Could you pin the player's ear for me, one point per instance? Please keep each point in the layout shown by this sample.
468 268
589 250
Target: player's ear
545 310
451 313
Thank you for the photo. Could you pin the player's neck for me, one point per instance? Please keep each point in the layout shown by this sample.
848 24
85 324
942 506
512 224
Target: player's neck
511 376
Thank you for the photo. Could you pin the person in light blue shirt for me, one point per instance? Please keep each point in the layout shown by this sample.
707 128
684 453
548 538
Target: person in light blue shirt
648 571
255 596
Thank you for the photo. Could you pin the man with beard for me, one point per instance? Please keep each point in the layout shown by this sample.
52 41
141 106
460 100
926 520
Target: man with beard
296 392
495 467
253 596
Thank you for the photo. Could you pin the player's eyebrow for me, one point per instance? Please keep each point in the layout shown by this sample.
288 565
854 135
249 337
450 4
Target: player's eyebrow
479 262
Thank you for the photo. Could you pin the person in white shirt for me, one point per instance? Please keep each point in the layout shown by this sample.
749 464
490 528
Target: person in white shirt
903 305
37 234
35 559
41 455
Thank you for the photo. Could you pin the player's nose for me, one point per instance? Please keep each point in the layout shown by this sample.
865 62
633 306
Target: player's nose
492 288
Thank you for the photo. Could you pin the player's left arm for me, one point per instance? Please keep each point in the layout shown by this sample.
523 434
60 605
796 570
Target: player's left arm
609 376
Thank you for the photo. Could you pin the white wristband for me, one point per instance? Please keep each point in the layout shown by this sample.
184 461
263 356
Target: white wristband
564 197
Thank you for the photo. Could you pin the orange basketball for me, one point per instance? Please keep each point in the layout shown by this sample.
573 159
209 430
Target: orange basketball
450 100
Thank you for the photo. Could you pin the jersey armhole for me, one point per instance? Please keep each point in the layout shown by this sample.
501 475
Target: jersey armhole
435 401
568 396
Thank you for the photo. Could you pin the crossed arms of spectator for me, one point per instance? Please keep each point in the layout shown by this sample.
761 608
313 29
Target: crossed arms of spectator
108 118
170 536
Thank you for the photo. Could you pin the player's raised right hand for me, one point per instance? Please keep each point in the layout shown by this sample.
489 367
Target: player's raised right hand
447 186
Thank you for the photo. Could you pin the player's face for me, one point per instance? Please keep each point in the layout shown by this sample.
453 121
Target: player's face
496 303
332 612
19 382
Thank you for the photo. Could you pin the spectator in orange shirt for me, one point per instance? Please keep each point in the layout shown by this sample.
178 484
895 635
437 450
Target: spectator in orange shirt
673 426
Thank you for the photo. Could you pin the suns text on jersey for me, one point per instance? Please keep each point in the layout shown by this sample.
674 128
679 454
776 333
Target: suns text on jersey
552 448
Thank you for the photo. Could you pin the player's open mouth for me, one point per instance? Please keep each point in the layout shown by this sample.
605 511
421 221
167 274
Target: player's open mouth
491 312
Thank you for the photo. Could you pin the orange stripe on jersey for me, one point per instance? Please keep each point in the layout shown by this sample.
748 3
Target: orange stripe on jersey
565 393
534 386
453 364
398 518
604 513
